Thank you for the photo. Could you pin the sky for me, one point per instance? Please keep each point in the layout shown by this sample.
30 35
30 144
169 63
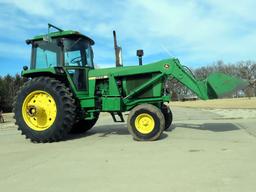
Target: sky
198 32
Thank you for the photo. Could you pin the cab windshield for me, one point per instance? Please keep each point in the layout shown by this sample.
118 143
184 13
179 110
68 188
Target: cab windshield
78 52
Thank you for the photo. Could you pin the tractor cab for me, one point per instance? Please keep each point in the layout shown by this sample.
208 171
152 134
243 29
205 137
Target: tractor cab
66 52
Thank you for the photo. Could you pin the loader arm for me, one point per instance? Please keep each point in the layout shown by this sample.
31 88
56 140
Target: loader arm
214 86
187 79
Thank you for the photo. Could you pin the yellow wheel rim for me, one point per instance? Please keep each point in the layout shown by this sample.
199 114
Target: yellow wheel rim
144 123
39 110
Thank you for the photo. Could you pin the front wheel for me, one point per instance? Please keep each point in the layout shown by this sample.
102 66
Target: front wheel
146 122
167 116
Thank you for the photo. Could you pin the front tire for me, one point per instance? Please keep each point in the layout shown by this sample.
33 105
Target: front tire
167 116
146 122
44 110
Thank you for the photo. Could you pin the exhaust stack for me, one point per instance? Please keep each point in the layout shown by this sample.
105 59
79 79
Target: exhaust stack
118 52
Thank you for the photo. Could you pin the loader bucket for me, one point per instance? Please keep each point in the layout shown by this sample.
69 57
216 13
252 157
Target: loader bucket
220 85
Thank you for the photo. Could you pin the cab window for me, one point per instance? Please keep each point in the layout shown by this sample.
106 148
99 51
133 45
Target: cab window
45 58
45 55
78 52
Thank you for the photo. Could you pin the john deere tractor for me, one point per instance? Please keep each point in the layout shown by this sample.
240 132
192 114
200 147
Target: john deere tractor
65 93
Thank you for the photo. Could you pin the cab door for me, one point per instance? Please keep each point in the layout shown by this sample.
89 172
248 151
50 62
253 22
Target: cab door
77 70
78 60
79 77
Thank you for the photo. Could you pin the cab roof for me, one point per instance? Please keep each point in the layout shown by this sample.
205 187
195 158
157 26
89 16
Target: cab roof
68 33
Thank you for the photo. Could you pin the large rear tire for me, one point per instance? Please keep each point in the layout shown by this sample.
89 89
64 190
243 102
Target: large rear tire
44 110
146 122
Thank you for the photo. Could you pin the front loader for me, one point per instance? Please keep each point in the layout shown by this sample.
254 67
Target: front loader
66 93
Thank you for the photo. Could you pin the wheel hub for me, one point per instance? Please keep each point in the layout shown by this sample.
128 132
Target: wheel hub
39 110
144 123
31 111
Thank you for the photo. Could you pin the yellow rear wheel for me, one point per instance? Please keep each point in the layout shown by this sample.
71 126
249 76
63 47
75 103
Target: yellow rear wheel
44 110
39 110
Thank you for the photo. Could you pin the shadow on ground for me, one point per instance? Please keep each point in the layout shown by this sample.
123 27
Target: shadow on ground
106 131
215 127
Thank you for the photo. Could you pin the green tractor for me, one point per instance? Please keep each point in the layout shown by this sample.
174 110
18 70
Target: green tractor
65 93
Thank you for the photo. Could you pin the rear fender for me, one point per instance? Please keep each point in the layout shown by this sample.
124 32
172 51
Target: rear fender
52 72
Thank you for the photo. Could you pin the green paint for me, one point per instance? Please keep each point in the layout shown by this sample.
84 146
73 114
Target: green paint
111 104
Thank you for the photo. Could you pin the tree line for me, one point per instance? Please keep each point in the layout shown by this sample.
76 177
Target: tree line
9 85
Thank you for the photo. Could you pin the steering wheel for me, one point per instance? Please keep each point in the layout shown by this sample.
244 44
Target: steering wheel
76 60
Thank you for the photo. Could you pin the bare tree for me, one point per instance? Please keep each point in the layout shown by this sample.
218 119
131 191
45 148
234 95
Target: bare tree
1 117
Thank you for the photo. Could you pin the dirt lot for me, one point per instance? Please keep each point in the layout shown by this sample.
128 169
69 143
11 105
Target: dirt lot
204 150
238 103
